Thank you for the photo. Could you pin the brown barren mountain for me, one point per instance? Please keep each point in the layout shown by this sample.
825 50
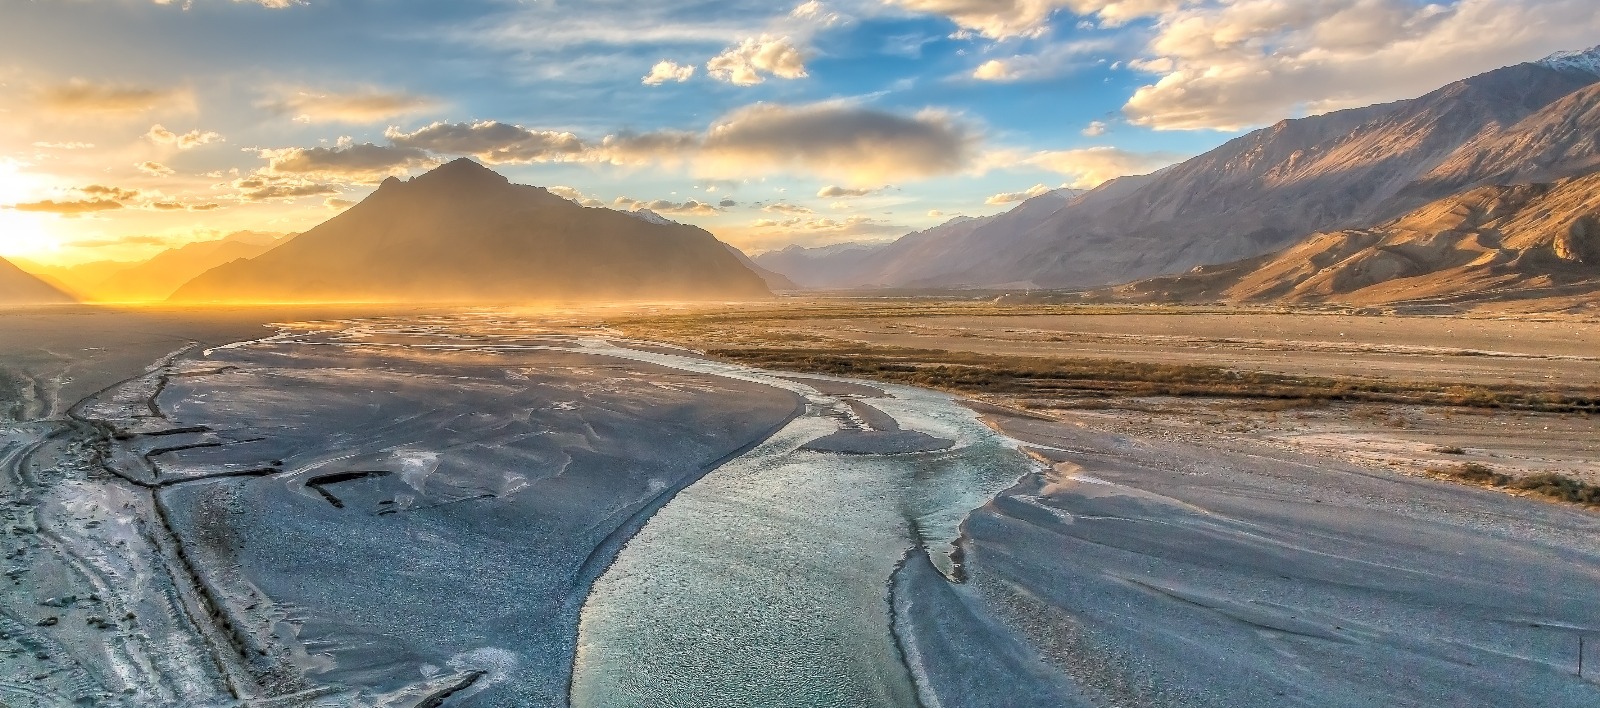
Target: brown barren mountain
18 287
462 233
1268 189
1493 243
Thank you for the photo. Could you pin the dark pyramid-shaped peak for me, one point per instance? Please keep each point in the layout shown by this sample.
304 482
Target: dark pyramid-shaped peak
464 233
462 171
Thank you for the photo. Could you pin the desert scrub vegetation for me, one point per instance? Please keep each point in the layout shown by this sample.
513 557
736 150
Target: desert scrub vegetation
772 338
1047 378
1549 485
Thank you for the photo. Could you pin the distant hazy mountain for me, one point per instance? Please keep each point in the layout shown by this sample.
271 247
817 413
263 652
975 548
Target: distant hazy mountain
158 277
774 281
464 233
79 279
840 265
1267 189
153 279
18 287
930 257
1489 243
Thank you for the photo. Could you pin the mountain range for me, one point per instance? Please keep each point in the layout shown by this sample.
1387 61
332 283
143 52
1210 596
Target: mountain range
1490 243
463 233
157 277
18 287
1256 194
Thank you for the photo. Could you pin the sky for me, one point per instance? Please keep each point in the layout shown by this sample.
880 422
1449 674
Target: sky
129 126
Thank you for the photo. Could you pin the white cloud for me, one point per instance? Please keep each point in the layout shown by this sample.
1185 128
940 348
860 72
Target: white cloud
1002 19
692 207
746 63
576 195
1096 128
1052 61
492 142
849 226
1012 197
818 14
360 162
1085 167
191 139
834 191
786 208
154 169
666 70
1239 64
993 70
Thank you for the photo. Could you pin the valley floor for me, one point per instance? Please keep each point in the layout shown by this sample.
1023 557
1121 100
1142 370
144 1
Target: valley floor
1146 507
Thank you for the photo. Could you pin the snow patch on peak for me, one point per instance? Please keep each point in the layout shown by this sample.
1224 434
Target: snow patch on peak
650 216
1586 60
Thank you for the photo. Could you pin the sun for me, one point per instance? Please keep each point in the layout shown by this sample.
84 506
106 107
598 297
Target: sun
21 233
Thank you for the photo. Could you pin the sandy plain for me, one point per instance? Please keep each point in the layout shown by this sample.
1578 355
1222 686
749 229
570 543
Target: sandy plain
408 509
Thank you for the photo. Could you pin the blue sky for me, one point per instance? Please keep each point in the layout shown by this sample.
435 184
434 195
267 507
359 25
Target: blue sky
130 125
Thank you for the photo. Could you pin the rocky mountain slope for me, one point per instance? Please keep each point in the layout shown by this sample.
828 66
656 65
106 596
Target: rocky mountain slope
1265 190
1490 243
17 287
464 233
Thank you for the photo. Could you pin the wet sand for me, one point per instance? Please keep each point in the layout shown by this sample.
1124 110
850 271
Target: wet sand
1162 573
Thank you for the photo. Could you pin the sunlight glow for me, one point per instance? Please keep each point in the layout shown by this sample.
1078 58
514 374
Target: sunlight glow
21 233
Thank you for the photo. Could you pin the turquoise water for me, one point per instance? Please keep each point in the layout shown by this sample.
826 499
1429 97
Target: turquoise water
765 584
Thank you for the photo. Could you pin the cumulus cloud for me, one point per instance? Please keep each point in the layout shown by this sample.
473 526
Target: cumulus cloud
360 162
692 207
100 191
746 63
180 206
154 169
1235 65
576 195
1094 129
361 106
850 226
1013 197
192 139
83 97
834 191
492 142
667 70
786 208
264 185
832 140
864 146
1002 19
261 190
69 208
1088 167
